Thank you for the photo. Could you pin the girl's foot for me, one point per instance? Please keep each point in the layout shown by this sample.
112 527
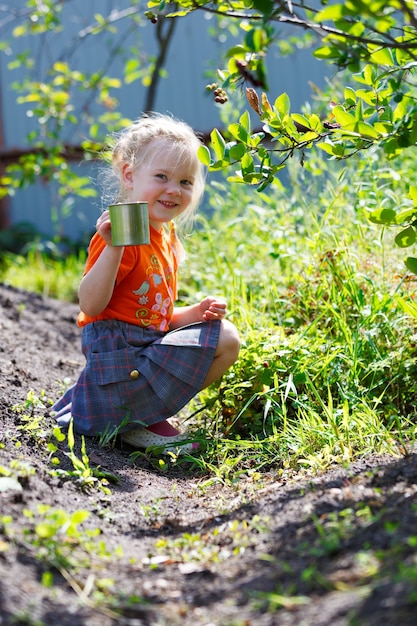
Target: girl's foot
162 434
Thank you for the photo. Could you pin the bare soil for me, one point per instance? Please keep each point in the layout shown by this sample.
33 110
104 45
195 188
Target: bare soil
280 548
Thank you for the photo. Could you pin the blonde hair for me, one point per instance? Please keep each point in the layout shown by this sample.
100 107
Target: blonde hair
143 140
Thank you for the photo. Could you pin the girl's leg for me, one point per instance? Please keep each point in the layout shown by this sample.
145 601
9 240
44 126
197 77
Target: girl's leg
164 428
226 353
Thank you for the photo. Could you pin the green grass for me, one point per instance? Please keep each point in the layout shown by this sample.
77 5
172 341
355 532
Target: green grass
52 277
323 302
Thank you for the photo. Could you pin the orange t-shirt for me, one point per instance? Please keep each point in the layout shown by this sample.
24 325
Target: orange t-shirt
146 283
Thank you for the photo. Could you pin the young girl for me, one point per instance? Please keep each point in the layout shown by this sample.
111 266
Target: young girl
146 358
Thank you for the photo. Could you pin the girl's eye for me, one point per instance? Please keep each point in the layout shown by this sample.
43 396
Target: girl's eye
161 176
187 183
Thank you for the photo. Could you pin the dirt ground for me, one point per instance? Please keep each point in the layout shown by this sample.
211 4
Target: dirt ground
278 548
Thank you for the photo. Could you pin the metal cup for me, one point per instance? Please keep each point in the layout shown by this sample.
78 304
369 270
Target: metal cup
129 224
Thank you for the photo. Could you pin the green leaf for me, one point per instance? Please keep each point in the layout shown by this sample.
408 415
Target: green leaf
218 165
19 31
411 264
366 130
218 144
59 66
204 156
79 516
254 40
45 530
283 104
239 132
330 13
383 216
58 434
245 121
264 6
412 194
301 119
237 151
247 164
358 111
337 150
350 94
343 117
383 56
70 436
236 51
406 237
325 52
406 215
367 76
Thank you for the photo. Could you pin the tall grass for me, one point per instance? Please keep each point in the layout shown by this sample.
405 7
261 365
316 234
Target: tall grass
328 369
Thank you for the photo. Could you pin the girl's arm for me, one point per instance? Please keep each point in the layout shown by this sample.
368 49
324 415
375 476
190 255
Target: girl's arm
96 287
208 309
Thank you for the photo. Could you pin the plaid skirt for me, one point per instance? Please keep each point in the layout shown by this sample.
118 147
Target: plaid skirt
134 376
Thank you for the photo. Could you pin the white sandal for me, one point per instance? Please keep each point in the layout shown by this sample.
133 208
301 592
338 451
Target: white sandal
144 438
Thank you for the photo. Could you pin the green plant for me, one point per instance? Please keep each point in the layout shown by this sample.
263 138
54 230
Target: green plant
83 474
223 541
21 470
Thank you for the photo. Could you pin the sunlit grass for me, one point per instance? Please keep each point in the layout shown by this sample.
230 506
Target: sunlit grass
38 272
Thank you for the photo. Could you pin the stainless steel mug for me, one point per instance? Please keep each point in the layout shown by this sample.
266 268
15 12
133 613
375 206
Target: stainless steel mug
129 224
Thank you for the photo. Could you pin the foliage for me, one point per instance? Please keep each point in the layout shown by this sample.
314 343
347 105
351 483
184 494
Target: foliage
328 346
34 425
374 107
60 542
83 473
379 50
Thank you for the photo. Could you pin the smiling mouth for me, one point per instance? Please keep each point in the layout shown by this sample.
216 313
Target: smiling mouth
168 205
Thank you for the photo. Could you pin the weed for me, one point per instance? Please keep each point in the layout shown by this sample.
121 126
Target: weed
21 470
23 618
84 475
48 437
212 546
152 511
33 425
58 540
338 527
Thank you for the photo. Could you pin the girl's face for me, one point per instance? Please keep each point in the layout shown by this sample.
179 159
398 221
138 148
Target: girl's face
162 182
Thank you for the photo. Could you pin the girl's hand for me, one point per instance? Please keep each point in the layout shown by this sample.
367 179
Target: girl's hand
208 309
103 227
212 309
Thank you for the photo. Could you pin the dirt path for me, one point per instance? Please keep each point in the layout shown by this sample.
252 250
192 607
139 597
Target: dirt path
174 548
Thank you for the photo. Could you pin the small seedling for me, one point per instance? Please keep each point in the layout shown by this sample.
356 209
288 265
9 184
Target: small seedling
83 473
